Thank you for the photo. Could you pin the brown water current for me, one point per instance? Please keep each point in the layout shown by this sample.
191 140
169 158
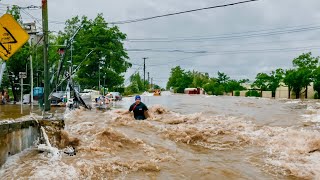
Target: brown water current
188 137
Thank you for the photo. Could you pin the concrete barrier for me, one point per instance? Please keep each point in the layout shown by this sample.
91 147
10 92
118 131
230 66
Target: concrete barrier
18 136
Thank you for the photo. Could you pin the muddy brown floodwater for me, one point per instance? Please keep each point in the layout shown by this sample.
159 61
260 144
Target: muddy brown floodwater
188 137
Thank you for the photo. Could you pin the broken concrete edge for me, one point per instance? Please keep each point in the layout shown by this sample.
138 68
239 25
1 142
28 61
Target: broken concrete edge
11 126
58 123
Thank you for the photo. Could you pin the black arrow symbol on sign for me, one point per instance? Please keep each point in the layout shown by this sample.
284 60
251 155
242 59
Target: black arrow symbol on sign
10 42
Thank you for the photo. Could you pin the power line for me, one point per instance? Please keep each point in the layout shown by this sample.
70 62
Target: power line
228 36
243 44
36 20
181 12
257 43
239 52
233 33
170 14
230 51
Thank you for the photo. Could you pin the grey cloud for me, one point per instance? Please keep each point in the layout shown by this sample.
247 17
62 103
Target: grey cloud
264 14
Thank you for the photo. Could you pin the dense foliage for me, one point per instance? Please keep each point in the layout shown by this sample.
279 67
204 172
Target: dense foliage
181 79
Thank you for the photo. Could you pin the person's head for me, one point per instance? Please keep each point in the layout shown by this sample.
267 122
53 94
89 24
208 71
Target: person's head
138 99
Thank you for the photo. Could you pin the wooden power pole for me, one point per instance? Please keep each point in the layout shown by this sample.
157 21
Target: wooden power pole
45 54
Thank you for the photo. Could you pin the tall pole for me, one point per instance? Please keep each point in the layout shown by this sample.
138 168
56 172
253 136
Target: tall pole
104 84
148 79
71 58
31 74
144 73
151 83
99 76
21 96
45 54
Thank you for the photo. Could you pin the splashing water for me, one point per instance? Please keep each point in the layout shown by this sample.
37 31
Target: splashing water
187 137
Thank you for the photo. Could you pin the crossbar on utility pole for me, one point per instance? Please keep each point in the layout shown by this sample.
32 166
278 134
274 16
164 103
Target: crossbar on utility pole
45 54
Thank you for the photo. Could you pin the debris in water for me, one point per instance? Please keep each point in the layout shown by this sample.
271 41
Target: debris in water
71 151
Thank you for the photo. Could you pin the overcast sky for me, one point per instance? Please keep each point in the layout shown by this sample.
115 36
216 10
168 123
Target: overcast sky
278 31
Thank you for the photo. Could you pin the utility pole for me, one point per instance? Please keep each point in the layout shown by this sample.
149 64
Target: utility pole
151 83
148 80
45 54
32 31
99 78
144 73
31 75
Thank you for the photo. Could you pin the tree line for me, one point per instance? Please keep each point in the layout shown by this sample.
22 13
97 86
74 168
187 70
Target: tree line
180 79
305 70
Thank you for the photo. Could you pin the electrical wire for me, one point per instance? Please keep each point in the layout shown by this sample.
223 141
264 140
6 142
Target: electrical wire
32 17
237 52
223 52
181 12
229 36
169 14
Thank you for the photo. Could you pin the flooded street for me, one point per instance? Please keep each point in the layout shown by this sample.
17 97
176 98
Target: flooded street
188 137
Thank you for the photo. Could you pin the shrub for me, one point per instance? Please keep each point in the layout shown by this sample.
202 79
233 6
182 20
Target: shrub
237 93
253 93
316 95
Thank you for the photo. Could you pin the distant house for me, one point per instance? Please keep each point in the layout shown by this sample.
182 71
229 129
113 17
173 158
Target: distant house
194 91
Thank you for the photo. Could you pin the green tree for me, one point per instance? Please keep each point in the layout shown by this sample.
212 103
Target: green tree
179 79
222 78
108 51
316 82
136 79
261 82
199 79
233 85
156 86
295 79
306 65
275 78
210 86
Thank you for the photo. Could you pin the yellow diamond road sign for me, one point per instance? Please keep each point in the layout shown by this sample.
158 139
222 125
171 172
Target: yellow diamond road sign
12 36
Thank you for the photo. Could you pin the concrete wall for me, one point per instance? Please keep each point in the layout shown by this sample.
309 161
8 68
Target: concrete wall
18 136
15 137
283 91
311 92
243 93
267 94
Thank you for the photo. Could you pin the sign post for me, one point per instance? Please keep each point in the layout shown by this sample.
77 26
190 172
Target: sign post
22 75
2 68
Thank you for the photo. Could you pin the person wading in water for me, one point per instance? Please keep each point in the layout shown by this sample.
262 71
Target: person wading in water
140 110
